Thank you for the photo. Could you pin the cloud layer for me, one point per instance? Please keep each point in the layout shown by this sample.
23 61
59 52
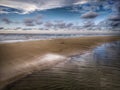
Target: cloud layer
28 6
63 14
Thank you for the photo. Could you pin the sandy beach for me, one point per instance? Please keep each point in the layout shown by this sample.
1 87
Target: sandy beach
22 58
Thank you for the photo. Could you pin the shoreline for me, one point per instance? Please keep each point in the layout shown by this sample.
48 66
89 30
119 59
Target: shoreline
58 31
29 40
16 54
31 37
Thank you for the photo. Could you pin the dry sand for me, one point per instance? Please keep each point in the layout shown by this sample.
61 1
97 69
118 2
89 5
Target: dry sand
21 58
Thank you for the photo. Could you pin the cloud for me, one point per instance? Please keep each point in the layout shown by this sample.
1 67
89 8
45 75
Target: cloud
98 6
114 18
69 25
89 15
117 6
58 25
48 24
33 21
29 22
28 6
64 25
25 7
1 28
3 11
6 20
38 19
114 21
115 24
6 10
89 24
39 22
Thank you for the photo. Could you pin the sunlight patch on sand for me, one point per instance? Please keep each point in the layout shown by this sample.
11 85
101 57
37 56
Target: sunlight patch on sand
43 62
52 57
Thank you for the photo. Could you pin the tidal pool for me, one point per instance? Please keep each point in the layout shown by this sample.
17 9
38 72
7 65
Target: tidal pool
98 69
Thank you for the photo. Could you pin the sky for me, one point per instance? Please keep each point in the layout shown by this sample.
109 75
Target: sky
59 14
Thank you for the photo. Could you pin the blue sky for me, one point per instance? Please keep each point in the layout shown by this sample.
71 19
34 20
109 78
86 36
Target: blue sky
55 13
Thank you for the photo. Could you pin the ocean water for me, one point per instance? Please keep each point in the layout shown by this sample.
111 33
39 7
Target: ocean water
98 69
10 38
33 36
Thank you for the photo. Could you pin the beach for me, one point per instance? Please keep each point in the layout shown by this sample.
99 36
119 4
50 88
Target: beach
22 58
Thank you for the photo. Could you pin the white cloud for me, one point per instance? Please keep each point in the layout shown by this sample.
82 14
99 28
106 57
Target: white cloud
89 15
28 6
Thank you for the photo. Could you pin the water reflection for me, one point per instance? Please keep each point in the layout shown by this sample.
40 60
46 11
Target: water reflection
108 54
96 70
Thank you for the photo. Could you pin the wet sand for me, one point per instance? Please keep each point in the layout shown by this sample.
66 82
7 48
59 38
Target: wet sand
98 69
22 58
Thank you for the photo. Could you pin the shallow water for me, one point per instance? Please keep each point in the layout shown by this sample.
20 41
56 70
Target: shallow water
95 70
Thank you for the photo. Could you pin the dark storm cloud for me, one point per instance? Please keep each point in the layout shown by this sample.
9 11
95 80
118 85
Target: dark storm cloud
89 15
6 20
